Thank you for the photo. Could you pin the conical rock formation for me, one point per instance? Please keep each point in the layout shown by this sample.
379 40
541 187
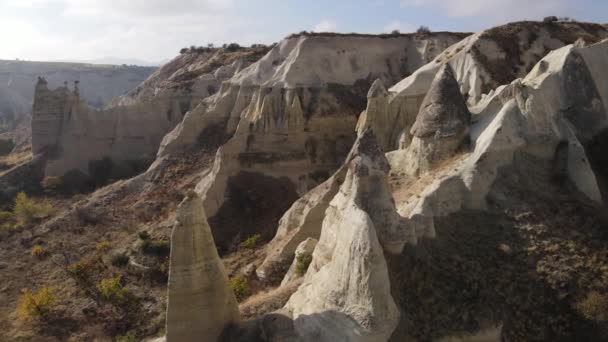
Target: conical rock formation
346 293
442 126
200 300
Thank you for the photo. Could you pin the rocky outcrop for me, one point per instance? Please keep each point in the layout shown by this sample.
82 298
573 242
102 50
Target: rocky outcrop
200 301
123 138
346 293
442 125
292 115
79 137
479 64
99 84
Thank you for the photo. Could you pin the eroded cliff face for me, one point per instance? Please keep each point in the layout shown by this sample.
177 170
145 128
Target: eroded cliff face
539 124
123 138
482 62
99 84
289 120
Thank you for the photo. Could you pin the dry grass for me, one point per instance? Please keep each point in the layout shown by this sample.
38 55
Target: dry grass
267 301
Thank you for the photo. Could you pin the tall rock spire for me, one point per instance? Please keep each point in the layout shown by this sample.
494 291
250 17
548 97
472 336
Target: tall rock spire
200 300
443 112
442 125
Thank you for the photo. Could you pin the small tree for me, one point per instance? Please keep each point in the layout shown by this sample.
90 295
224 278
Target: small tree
183 51
233 47
211 45
395 32
423 30
550 19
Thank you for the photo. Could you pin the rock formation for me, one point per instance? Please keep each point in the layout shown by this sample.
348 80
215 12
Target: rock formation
200 301
304 249
126 134
346 293
442 125
479 64
100 83
289 119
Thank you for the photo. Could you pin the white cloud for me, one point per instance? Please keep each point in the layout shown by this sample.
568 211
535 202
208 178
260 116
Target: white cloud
326 26
495 9
397 25
150 30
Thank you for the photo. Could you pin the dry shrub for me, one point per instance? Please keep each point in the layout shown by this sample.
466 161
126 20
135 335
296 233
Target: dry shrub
36 305
594 306
38 252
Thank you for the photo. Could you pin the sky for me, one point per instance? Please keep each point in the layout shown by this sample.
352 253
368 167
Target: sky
155 30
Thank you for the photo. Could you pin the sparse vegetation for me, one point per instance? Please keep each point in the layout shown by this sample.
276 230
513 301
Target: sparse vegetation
38 252
252 241
240 287
112 290
27 210
128 337
119 260
143 235
302 263
594 306
102 246
52 184
36 305
6 220
86 216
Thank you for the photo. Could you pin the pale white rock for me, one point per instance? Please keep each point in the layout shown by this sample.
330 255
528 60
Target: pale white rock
346 291
306 247
542 115
481 64
200 300
441 127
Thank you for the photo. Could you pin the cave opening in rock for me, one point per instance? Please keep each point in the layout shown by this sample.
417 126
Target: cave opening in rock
254 204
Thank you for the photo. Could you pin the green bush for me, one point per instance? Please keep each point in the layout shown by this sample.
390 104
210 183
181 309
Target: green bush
112 290
252 241
302 263
27 210
6 220
119 260
240 287
36 305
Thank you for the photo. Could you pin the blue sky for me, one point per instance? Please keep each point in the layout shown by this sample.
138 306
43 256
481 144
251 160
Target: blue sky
154 30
